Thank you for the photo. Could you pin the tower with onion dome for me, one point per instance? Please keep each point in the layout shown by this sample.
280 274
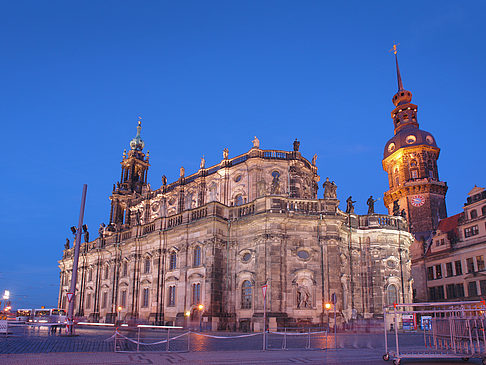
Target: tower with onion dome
410 160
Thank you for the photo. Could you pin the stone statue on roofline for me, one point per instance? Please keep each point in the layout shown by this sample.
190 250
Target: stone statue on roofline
314 159
256 142
296 145
225 153
164 180
66 245
202 165
329 189
350 205
371 205
396 208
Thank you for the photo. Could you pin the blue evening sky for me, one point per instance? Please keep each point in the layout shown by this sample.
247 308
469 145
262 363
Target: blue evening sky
205 75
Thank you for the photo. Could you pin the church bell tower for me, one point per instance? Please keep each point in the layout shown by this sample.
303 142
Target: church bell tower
133 179
410 159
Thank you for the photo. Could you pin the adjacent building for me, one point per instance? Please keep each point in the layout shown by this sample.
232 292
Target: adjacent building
452 267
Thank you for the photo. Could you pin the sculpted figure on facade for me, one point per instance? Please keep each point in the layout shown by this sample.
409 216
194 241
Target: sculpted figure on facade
329 189
314 160
182 171
303 298
164 180
225 153
275 187
66 245
202 165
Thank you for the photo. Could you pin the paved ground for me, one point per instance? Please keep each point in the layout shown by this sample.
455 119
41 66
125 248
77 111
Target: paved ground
96 346
340 356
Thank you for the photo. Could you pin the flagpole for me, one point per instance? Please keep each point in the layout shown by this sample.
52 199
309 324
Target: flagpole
74 276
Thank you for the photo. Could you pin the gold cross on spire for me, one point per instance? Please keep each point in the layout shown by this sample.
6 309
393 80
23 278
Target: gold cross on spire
394 48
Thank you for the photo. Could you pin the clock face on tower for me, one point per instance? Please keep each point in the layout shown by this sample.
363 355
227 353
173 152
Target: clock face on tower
417 200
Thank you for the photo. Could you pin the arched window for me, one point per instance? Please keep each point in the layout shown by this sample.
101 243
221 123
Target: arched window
147 266
474 214
173 260
483 210
196 293
197 256
239 200
246 295
391 294
413 163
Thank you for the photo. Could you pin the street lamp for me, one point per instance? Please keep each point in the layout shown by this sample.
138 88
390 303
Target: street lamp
119 309
201 308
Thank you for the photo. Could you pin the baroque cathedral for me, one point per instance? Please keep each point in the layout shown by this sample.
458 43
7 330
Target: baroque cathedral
202 247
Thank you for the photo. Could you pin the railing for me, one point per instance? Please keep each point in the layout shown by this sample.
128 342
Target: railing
199 213
303 206
242 211
148 228
126 235
174 221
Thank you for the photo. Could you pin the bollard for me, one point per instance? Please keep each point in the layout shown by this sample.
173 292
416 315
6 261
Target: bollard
167 349
189 341
284 347
308 339
138 340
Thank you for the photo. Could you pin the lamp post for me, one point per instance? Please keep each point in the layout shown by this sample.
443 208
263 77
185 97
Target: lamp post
6 297
119 309
200 307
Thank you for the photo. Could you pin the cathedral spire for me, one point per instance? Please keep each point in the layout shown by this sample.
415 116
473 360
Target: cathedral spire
137 143
399 77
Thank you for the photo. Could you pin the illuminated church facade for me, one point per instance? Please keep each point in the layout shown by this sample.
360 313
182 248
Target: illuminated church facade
216 236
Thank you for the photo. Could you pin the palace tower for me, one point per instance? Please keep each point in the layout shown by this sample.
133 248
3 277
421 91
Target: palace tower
410 159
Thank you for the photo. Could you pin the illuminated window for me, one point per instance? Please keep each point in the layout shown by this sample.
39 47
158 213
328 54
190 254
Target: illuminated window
246 295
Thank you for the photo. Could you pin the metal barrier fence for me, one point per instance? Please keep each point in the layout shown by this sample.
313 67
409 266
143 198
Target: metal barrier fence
145 338
450 330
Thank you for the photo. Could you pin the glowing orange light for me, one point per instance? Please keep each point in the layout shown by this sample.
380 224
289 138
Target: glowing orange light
119 308
327 306
200 307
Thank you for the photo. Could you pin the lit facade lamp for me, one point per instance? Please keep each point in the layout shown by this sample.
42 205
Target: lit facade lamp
119 309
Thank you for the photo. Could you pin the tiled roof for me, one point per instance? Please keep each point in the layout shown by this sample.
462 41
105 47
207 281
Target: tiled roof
450 223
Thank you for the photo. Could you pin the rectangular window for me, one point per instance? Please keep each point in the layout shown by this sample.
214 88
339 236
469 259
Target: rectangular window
414 174
104 300
438 271
480 262
472 290
123 300
440 292
470 265
451 291
460 290
145 298
90 275
449 269
172 292
482 286
88 301
173 261
430 273
458 267
442 242
471 231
